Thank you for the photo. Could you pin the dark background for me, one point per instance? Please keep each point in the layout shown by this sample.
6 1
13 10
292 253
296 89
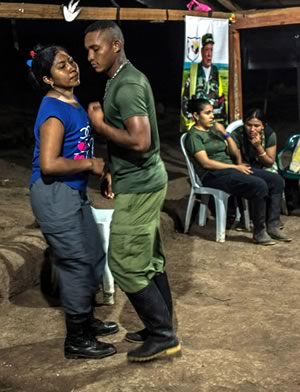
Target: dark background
270 60
154 48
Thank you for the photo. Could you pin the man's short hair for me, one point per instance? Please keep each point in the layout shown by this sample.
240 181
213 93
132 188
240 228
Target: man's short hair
106 25
207 39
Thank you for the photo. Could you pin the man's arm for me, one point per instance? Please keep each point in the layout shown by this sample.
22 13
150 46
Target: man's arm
106 187
136 136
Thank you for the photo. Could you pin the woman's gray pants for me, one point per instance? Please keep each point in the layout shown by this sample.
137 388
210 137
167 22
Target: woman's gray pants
67 223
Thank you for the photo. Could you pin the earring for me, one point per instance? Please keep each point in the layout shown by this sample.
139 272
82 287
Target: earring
52 84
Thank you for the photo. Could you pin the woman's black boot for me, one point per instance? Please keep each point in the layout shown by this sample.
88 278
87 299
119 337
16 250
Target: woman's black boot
273 223
260 235
80 342
162 283
152 310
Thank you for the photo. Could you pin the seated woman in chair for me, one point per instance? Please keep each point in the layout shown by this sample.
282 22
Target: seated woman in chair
257 144
256 141
213 152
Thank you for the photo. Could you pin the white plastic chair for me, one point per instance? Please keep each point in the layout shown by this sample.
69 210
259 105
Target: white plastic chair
103 219
220 198
234 125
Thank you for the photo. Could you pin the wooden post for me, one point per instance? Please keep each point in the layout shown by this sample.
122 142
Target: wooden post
235 77
298 88
298 76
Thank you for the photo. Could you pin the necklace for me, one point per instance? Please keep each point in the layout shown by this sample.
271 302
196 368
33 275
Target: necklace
108 83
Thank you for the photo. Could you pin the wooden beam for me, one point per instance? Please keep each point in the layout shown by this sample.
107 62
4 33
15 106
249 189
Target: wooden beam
267 18
30 11
235 77
298 77
176 15
229 5
50 11
244 20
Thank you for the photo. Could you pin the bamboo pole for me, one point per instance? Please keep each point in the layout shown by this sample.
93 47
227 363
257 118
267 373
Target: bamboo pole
235 77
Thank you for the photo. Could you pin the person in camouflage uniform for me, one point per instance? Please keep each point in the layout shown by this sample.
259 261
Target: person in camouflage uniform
204 82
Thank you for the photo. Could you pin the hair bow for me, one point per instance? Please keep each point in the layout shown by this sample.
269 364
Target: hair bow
32 54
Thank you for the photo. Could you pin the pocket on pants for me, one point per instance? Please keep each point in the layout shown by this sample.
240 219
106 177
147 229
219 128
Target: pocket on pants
55 206
131 253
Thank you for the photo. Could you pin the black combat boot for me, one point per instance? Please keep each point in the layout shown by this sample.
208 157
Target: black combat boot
152 310
162 283
260 235
273 222
80 342
101 328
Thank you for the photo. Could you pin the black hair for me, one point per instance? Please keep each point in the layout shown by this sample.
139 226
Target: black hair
104 25
255 113
41 65
196 105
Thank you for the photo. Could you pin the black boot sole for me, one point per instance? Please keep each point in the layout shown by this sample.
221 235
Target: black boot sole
266 243
286 239
167 352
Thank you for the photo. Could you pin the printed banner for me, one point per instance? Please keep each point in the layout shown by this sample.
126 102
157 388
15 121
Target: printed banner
206 64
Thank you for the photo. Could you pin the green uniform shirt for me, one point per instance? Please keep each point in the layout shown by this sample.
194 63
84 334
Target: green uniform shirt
128 95
212 142
248 151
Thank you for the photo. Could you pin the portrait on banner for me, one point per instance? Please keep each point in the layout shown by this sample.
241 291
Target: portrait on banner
205 69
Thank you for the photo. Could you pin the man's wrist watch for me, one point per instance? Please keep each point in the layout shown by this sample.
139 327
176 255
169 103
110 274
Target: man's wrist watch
226 135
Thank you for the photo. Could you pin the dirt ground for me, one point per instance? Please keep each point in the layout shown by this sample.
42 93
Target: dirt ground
236 304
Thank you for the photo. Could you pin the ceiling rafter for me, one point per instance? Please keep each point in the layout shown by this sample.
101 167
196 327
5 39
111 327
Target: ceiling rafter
266 4
267 18
229 5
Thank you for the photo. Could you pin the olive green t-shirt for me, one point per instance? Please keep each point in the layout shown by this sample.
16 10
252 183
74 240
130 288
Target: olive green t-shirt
248 151
210 141
129 94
